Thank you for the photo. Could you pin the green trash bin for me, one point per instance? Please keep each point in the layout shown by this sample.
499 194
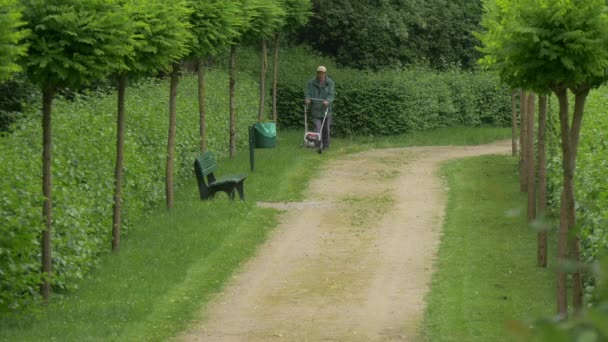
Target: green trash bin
265 135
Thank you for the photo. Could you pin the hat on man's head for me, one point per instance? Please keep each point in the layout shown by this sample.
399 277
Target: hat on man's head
322 68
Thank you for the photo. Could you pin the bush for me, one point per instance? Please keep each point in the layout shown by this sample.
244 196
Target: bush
397 102
84 137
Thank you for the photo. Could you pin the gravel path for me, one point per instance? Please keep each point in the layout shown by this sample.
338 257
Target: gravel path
351 263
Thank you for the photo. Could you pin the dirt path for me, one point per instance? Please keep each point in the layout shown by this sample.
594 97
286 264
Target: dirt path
352 263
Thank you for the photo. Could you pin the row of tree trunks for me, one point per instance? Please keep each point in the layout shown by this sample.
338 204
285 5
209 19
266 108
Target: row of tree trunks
171 135
568 250
523 135
47 158
232 85
514 124
263 71
275 77
542 182
530 166
118 168
201 105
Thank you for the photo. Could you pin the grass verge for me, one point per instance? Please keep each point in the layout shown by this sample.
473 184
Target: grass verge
173 262
486 270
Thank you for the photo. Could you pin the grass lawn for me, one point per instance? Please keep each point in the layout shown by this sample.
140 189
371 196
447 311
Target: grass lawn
486 270
171 263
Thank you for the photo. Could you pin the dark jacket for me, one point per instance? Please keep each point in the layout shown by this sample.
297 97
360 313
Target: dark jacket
314 90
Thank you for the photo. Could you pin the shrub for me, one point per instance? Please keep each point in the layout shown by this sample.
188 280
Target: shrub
397 102
84 146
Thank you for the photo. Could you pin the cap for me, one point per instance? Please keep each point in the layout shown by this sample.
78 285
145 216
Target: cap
322 68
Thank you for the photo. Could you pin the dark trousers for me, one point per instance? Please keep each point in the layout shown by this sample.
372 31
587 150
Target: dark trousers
325 135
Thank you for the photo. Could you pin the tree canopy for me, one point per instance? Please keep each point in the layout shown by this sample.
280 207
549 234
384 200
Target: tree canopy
75 42
538 44
161 34
215 24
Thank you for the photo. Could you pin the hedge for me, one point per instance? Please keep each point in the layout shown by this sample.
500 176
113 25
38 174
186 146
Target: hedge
398 102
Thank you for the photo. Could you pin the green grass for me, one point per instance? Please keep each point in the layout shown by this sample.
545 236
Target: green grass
436 137
486 270
172 263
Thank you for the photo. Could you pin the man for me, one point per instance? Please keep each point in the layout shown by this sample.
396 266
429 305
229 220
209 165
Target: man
319 94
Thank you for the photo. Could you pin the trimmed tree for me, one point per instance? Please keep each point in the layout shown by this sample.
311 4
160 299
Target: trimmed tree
181 45
215 25
297 13
72 43
157 34
556 46
11 38
247 13
268 19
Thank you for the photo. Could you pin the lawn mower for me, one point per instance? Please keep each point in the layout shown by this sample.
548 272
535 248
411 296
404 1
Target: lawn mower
314 139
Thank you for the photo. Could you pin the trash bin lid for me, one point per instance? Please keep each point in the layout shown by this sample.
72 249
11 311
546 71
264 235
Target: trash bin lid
267 129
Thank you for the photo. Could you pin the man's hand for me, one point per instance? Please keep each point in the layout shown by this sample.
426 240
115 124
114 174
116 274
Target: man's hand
326 103
307 102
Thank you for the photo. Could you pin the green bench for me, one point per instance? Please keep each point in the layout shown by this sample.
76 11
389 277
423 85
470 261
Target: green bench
208 186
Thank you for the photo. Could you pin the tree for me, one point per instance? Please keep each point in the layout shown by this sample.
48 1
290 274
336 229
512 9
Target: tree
215 25
72 43
297 13
556 46
514 123
11 38
180 44
542 181
157 36
268 19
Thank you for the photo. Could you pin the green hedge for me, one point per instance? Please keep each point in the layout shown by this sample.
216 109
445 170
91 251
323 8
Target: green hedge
84 140
590 177
397 102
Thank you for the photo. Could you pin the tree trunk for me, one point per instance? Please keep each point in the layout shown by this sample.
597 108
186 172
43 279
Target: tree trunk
275 67
513 124
567 204
232 72
542 181
530 164
263 80
201 105
523 136
577 122
47 158
171 135
120 153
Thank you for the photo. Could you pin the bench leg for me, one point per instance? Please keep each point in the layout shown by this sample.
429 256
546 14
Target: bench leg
240 189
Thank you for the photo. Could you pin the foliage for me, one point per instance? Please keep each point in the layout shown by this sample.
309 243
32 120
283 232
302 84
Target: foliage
397 102
265 17
83 175
161 34
589 326
297 13
16 95
12 34
75 42
386 33
215 24
590 178
539 44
